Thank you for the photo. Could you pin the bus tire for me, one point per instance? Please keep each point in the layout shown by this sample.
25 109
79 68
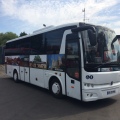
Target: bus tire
15 77
55 88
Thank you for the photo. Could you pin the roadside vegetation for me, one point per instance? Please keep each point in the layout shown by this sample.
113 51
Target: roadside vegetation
4 37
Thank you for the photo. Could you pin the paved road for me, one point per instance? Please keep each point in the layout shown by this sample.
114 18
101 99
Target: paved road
22 101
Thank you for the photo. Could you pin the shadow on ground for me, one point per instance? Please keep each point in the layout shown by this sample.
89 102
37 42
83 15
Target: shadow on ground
27 102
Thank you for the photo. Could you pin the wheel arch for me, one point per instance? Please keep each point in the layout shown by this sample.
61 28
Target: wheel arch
15 70
15 76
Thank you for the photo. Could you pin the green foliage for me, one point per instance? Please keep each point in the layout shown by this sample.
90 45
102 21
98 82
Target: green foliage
22 34
4 37
37 58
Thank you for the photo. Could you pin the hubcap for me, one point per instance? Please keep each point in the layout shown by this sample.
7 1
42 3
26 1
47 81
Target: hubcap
15 76
56 88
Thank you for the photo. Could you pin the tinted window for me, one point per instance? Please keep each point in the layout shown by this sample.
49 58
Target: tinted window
53 41
18 47
37 44
46 43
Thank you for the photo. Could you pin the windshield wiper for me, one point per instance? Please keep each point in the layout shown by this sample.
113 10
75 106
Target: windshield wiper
107 63
104 64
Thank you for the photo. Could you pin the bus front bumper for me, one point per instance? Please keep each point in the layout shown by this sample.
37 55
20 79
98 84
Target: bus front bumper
96 94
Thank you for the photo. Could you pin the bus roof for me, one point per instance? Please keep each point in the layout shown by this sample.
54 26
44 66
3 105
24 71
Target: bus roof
43 31
49 28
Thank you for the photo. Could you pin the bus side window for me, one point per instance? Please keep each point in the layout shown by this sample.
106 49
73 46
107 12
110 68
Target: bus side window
53 41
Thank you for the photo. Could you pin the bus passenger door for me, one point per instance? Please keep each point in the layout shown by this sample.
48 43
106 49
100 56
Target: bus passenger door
22 74
73 66
24 68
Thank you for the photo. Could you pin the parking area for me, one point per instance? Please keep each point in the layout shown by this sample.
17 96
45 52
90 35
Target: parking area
22 101
2 70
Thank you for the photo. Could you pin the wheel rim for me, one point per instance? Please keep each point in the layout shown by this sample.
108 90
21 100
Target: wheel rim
56 88
15 76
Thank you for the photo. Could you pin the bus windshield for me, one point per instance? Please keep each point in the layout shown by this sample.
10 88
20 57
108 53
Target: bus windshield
103 53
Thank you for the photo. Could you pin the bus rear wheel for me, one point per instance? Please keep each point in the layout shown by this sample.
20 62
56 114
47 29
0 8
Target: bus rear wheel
56 89
15 76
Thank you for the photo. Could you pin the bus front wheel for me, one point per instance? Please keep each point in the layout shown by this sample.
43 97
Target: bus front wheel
56 89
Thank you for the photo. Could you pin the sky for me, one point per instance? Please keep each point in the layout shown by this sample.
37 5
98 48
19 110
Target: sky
29 15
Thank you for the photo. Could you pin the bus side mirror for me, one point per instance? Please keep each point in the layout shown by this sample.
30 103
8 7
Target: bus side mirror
92 37
91 33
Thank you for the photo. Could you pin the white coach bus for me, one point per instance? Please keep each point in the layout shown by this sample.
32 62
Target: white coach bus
77 60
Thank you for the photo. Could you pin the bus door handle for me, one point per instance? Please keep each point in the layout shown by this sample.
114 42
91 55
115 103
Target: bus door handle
26 72
21 71
72 81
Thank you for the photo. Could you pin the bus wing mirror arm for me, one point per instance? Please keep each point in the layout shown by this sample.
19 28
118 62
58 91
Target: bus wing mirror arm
91 33
78 29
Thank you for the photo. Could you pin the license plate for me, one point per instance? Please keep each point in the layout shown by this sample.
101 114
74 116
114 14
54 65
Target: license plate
111 92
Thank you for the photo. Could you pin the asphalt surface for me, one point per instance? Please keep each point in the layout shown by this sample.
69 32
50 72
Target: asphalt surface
22 101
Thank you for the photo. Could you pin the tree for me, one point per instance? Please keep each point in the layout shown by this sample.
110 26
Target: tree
23 34
37 58
4 37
